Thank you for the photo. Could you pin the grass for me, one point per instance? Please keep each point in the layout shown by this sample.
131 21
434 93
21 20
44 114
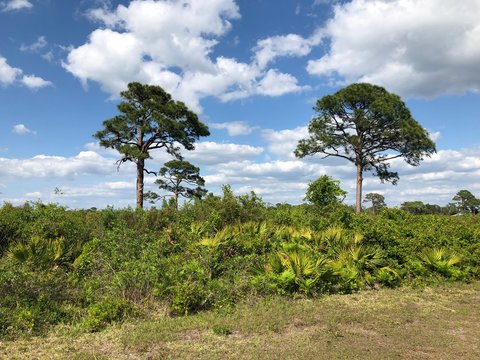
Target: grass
441 322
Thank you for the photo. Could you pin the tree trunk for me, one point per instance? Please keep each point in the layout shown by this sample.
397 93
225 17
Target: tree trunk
176 201
140 175
358 204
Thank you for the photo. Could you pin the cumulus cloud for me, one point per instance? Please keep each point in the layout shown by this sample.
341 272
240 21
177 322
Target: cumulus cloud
34 82
234 128
276 83
145 41
93 179
212 153
14 5
283 143
416 49
43 166
10 75
21 129
435 181
291 45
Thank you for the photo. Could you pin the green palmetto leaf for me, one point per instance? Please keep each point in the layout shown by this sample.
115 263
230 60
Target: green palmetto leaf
440 260
42 252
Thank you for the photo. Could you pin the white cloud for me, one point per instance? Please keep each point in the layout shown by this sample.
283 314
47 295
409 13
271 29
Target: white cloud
10 75
283 143
435 181
46 167
435 136
14 5
34 82
115 185
39 44
145 41
276 83
234 128
21 129
212 153
34 195
291 45
414 48
91 179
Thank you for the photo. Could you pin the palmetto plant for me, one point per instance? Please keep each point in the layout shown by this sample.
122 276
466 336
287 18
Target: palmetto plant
198 230
351 260
334 239
296 267
45 253
440 260
253 236
294 234
222 236
241 238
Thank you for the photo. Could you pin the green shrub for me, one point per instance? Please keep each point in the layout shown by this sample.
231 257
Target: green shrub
106 311
441 261
221 330
32 300
94 267
188 297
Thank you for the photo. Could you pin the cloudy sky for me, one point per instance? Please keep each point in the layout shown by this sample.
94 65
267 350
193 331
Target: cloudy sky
251 69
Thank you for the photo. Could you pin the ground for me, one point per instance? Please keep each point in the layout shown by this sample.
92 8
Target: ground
438 322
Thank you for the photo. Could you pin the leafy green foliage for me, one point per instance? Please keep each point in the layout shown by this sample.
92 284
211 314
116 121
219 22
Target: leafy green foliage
105 312
178 178
466 202
367 126
44 253
92 268
325 191
377 200
418 207
32 300
150 119
440 260
296 268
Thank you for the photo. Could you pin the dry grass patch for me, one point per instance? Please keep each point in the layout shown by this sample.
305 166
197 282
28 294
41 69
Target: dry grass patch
431 323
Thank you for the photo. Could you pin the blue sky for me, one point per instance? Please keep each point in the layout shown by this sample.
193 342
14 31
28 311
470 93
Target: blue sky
251 69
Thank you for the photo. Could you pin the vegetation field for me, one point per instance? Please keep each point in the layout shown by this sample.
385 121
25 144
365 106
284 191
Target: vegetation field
230 276
439 322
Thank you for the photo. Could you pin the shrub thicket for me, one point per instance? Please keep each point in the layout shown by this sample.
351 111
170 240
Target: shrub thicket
93 267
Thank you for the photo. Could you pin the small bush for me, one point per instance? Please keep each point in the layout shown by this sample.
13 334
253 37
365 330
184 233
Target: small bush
221 330
108 310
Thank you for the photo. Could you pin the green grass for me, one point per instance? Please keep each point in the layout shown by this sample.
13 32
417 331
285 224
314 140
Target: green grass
440 322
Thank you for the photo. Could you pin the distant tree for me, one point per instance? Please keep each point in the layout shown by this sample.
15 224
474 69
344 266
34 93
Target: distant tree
325 191
450 209
433 209
367 126
414 207
149 120
377 200
419 207
466 202
178 178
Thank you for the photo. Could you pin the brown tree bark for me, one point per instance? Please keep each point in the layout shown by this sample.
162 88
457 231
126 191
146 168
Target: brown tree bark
140 178
358 203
